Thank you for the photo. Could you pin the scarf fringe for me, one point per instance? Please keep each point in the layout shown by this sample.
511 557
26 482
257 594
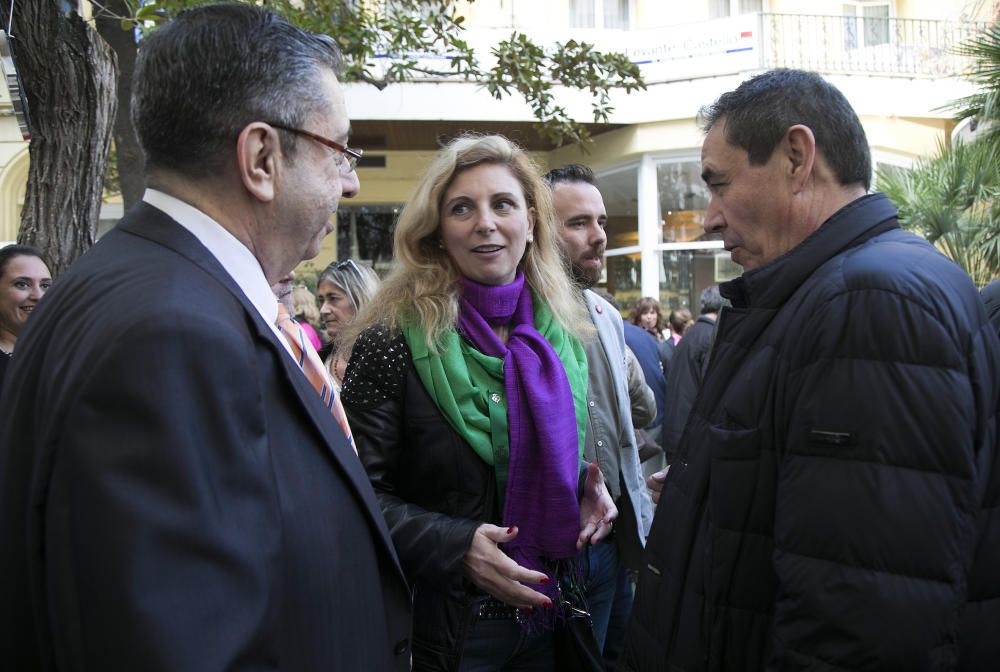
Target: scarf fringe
568 594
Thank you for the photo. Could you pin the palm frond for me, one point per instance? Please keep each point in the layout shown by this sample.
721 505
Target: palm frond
953 200
984 50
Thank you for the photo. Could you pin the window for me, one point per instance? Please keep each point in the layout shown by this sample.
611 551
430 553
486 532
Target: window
599 14
620 192
721 8
623 265
690 258
676 258
683 199
616 14
866 24
581 13
623 279
685 273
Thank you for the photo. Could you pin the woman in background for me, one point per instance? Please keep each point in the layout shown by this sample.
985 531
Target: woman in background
647 314
24 279
306 314
678 322
466 392
344 287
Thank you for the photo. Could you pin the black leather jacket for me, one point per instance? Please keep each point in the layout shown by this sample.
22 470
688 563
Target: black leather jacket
434 490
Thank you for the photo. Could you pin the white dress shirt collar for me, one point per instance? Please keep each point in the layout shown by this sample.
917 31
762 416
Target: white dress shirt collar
235 257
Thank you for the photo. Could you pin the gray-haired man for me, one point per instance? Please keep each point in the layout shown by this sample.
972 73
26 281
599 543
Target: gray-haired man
174 495
835 500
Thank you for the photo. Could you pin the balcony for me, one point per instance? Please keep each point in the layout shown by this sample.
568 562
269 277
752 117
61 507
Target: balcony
865 45
826 44
907 67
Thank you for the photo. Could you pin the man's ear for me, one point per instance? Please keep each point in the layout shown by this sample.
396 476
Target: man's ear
800 149
259 160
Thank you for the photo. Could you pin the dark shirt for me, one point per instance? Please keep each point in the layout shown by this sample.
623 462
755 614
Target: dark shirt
4 363
687 368
643 345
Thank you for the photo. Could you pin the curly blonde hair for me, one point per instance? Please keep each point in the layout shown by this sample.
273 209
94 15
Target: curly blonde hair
422 287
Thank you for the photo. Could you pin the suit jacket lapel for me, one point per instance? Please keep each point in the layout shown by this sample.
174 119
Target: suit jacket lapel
153 224
328 427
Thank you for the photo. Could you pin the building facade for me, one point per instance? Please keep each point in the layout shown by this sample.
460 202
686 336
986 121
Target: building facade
893 59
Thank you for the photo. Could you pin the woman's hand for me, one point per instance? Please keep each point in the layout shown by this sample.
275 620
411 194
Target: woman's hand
493 571
597 511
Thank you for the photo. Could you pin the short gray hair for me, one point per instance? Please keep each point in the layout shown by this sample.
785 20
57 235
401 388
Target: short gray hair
205 75
711 300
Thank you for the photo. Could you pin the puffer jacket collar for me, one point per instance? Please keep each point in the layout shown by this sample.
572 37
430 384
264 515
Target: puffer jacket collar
772 284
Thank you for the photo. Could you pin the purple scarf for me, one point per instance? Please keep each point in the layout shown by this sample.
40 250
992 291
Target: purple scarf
541 494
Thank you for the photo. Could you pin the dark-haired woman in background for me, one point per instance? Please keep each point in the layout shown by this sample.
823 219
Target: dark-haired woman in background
647 314
24 279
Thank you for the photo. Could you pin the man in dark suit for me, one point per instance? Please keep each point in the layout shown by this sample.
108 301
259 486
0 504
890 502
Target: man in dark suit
173 493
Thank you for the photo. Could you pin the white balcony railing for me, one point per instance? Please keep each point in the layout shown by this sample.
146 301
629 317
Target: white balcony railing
869 45
826 44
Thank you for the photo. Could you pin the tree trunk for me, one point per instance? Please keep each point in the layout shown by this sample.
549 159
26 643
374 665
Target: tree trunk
128 153
69 77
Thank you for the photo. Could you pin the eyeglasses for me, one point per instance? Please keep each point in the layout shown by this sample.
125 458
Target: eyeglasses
348 158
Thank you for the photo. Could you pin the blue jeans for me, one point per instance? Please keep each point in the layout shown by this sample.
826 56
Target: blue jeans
609 594
495 645
621 609
602 572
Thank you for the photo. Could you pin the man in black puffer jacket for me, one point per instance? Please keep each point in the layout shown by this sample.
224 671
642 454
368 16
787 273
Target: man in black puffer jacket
834 503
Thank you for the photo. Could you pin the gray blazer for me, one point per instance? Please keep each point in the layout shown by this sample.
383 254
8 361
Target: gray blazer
610 331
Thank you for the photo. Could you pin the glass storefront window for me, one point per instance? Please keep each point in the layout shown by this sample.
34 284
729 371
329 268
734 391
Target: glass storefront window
620 190
685 273
683 199
622 279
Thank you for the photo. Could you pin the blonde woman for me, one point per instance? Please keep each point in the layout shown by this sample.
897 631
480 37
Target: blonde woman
466 391
344 288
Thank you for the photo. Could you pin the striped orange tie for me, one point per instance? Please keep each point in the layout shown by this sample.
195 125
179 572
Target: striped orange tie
308 360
